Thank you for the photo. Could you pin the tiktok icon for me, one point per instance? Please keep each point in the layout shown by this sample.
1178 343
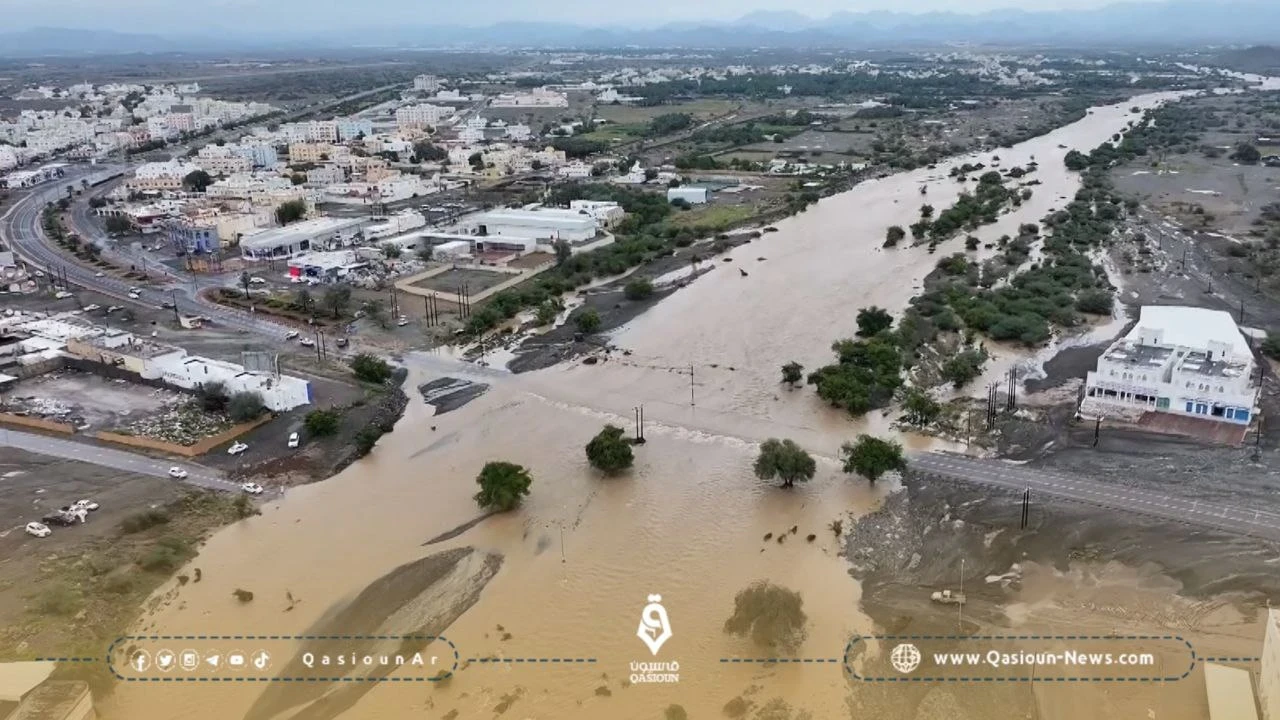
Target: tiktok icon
655 627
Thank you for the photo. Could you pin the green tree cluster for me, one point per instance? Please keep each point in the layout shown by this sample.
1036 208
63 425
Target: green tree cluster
502 486
609 451
784 460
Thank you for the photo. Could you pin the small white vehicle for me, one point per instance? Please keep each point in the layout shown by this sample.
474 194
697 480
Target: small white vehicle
38 529
257 281
402 322
62 295
291 335
307 342
99 274
177 473
293 440
112 309
252 488
134 296
237 448
135 290
86 505
91 307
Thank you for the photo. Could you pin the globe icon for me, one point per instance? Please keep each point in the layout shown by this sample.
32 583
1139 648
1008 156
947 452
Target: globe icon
905 658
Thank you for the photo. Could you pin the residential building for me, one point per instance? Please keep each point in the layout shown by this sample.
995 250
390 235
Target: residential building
427 83
249 186
316 234
322 131
259 154
417 117
519 132
160 176
575 169
1178 360
309 152
222 160
353 128
8 158
192 236
325 175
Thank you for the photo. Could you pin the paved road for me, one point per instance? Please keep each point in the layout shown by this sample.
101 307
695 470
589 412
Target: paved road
1016 478
21 227
116 459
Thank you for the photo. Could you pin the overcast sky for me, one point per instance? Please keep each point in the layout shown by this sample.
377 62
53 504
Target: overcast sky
262 16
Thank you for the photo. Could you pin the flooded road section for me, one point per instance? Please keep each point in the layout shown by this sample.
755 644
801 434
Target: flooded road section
583 554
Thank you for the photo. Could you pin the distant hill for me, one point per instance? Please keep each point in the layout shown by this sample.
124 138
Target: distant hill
1134 25
1257 59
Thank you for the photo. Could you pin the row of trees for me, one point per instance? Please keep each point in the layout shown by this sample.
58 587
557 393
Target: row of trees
787 462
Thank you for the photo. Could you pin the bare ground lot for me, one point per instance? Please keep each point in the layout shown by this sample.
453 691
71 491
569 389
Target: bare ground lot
69 594
477 281
1231 194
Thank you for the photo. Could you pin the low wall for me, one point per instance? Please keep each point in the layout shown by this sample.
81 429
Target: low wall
199 448
37 424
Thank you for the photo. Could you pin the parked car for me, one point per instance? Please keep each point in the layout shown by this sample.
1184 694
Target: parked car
307 342
257 281
62 295
342 342
293 440
402 321
252 488
86 504
135 290
237 448
99 274
134 296
112 309
291 335
62 517
91 307
177 473
167 305
38 529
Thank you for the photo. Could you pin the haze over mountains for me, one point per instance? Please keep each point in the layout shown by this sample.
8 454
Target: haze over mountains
1180 22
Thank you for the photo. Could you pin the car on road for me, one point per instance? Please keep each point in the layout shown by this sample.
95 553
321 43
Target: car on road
91 307
342 342
257 281
86 505
237 448
63 295
402 321
293 440
307 342
177 472
112 309
252 488
167 305
38 529
135 290
291 334
134 296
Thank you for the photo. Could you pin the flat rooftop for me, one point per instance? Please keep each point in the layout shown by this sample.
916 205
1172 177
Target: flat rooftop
1131 353
1199 363
305 230
1191 327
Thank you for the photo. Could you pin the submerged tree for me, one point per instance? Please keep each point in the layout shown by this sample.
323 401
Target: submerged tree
785 460
502 486
771 615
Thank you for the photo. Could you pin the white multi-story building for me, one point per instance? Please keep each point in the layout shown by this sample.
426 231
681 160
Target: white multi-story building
246 186
519 132
322 131
325 175
1179 360
258 154
160 176
352 128
417 117
605 212
575 169
8 158
222 160
427 83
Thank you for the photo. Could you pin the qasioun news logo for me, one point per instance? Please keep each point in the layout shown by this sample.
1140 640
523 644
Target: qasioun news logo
654 630
906 658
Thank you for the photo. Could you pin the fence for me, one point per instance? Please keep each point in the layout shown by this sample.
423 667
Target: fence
198 448
37 424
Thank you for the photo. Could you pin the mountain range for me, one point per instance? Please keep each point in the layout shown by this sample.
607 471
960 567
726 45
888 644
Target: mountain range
1123 25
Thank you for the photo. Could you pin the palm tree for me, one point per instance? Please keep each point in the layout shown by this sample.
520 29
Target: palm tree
245 280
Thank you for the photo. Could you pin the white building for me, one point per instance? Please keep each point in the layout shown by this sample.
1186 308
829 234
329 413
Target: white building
317 234
575 169
222 160
427 83
541 224
161 176
519 132
538 97
689 193
605 212
1179 360
247 186
279 392
8 158
417 117
323 131
397 223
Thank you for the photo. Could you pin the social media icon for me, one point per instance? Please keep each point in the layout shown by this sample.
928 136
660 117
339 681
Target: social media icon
213 660
140 661
189 660
165 660
261 660
236 660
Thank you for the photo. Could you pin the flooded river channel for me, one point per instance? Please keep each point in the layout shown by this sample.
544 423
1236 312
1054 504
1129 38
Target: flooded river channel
583 554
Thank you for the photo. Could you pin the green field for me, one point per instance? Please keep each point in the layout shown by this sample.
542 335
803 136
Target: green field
713 218
633 115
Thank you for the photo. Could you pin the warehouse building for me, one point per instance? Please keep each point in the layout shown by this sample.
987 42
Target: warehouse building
318 234
541 224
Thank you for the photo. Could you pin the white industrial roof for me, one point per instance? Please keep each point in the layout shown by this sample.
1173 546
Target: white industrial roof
539 218
298 231
19 678
1191 327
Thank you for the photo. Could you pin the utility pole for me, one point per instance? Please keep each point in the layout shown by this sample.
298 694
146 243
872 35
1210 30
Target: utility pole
176 317
1241 311
960 605
692 403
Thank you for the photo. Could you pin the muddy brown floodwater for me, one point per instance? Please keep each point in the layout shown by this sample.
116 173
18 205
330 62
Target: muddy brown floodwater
581 556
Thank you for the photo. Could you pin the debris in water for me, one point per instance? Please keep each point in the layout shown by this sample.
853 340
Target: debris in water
243 596
811 537
590 360
744 272
768 536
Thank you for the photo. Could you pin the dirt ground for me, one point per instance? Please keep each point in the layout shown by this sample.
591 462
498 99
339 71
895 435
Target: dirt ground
72 592
477 281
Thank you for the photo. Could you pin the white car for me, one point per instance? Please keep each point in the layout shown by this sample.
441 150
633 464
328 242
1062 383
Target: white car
177 473
134 296
237 448
257 281
291 335
402 322
38 529
252 488
91 307
62 295
135 290
99 274
86 504
112 309
293 440
307 342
